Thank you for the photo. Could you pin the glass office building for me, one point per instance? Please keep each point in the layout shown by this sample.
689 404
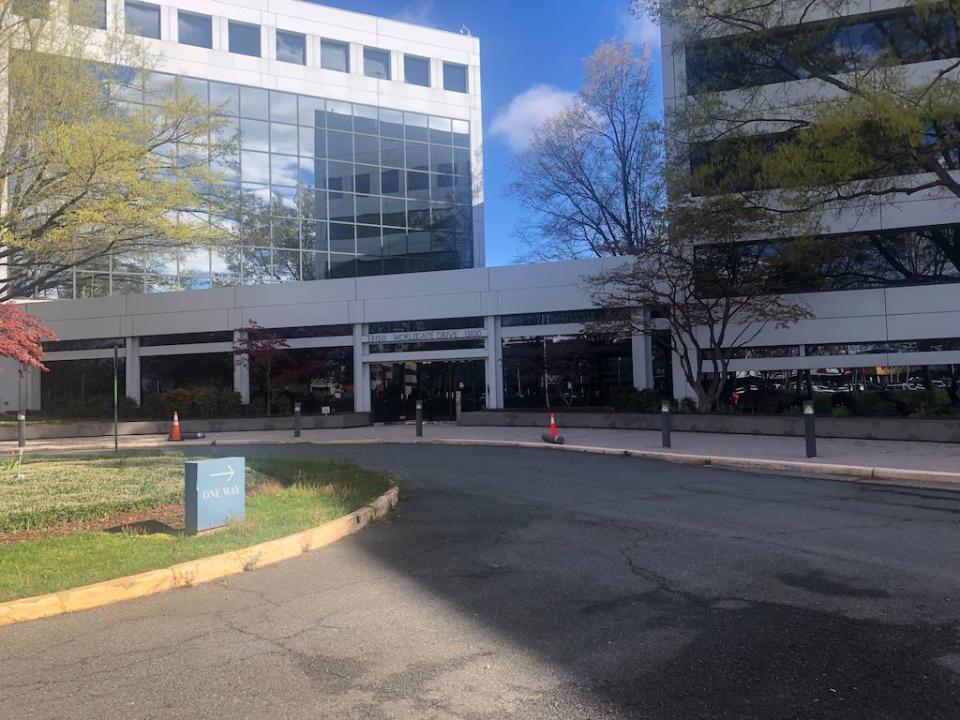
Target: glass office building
323 189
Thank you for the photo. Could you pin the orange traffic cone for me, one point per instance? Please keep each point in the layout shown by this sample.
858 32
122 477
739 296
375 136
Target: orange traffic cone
175 428
553 427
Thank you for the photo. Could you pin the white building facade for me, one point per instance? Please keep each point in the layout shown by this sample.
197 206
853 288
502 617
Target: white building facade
889 310
378 283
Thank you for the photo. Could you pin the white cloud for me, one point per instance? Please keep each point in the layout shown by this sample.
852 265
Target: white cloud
517 122
418 12
640 30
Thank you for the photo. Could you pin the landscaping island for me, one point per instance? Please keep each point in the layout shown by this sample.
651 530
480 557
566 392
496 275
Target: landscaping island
71 521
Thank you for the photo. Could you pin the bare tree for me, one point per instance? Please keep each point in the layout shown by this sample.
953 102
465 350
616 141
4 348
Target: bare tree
595 179
592 176
714 299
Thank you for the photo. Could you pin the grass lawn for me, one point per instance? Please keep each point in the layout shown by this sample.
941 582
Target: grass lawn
308 493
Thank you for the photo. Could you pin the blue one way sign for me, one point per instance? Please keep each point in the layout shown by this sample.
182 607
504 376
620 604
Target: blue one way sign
214 492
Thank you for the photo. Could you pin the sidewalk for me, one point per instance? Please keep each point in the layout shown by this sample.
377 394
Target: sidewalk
888 456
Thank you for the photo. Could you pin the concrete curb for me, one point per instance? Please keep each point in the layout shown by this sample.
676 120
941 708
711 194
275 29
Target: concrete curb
859 473
197 571
855 473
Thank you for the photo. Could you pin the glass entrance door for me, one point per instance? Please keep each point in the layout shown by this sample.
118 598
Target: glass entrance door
396 387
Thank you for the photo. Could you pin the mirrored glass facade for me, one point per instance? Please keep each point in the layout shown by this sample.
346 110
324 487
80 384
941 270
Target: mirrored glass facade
324 189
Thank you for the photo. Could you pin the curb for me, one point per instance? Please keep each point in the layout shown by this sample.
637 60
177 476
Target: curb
194 572
849 473
852 473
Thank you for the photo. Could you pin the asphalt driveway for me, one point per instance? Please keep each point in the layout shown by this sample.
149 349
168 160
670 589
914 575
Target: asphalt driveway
529 584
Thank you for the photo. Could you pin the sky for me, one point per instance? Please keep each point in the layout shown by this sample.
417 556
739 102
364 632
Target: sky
531 64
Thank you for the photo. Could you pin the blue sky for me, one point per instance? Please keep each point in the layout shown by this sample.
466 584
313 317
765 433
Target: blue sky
531 57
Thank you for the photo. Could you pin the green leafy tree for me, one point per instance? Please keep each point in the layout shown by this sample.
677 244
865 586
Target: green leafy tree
88 175
804 108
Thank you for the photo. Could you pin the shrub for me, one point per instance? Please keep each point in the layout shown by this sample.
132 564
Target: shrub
636 401
822 404
688 405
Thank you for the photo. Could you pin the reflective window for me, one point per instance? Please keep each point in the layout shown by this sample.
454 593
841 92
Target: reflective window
454 77
903 36
89 13
142 19
882 258
416 70
291 47
325 189
194 29
334 55
578 370
376 63
244 38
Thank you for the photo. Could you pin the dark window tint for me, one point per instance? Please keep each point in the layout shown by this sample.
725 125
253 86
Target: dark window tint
187 338
455 77
335 55
856 44
244 39
376 63
90 13
416 70
882 258
291 47
142 19
194 29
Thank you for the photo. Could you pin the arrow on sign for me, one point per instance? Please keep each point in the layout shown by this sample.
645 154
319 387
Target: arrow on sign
228 474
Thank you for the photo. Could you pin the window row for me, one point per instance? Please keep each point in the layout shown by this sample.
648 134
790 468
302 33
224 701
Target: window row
853 44
882 258
257 104
196 29
293 173
316 145
364 209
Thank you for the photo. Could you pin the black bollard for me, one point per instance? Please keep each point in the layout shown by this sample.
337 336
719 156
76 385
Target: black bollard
419 418
665 423
810 428
21 429
296 419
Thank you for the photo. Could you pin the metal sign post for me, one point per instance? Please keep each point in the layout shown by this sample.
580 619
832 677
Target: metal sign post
296 419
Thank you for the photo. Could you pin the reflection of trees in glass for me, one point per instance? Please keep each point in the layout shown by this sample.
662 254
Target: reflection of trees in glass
576 371
842 262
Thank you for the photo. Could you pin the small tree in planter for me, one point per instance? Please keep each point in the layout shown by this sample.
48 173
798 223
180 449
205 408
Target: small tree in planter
22 336
260 349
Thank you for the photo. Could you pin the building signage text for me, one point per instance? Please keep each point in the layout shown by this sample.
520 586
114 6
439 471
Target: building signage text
427 336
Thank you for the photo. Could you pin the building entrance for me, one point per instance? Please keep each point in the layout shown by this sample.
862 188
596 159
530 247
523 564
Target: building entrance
396 387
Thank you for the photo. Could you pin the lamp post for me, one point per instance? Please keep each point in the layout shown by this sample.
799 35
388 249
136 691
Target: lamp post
810 428
21 415
116 401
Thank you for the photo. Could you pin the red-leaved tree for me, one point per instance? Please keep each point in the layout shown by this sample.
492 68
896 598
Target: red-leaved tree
260 349
22 336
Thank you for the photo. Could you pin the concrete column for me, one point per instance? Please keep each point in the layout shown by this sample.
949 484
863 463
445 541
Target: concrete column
641 346
9 383
494 363
361 373
241 373
132 368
